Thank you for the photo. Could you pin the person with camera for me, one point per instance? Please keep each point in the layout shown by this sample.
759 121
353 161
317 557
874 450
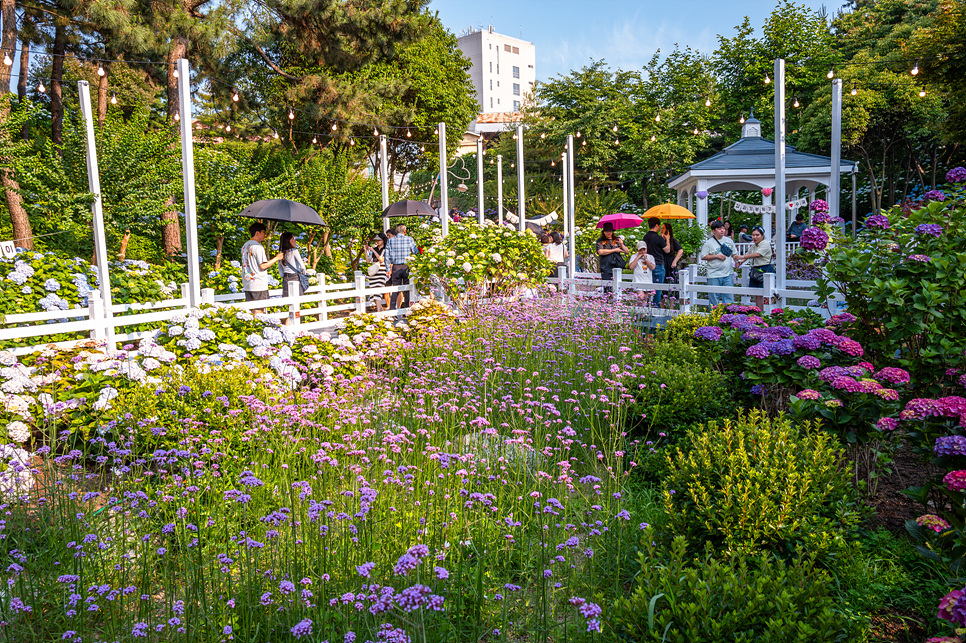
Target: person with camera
610 250
717 252
759 258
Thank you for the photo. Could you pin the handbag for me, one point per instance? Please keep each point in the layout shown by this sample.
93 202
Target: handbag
303 278
756 274
725 250
374 269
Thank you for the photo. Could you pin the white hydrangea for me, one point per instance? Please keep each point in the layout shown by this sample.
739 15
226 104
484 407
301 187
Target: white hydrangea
497 257
16 478
103 402
467 267
25 268
133 371
192 321
18 432
255 340
18 405
206 334
150 363
192 344
174 331
272 335
26 290
7 358
52 285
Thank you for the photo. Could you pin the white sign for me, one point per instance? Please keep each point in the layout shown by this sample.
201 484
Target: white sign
768 209
8 249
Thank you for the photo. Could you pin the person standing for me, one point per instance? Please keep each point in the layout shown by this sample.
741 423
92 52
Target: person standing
673 254
656 247
377 269
398 250
743 236
557 251
717 252
759 256
255 265
609 250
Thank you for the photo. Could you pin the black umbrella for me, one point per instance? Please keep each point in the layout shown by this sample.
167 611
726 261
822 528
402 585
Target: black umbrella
283 210
408 209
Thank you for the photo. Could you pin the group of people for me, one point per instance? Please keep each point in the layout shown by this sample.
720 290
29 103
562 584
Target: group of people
388 255
722 258
654 261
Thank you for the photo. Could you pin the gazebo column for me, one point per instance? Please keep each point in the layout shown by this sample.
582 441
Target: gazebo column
702 205
808 207
682 198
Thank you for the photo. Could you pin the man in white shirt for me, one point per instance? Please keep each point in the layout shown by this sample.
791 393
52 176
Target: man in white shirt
255 266
717 252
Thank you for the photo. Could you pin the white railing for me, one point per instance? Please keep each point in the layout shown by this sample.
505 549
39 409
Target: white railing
692 290
745 247
100 323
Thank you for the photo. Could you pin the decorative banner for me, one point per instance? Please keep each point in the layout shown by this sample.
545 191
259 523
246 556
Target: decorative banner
8 249
768 209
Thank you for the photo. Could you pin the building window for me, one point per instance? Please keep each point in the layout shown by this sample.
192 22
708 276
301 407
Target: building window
497 101
516 72
491 84
506 48
491 104
516 89
491 67
516 106
516 50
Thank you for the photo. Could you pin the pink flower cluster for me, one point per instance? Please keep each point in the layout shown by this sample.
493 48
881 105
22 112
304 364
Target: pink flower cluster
932 521
809 394
921 408
952 607
955 480
887 424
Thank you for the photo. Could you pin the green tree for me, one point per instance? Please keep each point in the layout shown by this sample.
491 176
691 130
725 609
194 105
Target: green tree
942 44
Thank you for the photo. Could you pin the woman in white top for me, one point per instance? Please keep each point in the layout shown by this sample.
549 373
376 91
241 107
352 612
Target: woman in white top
759 256
556 251
291 263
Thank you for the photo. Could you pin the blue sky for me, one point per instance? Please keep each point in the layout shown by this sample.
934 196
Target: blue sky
568 34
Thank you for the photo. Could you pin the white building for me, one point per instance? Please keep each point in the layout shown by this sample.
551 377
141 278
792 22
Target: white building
503 73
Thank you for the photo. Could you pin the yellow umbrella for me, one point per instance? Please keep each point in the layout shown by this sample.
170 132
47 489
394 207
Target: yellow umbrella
668 211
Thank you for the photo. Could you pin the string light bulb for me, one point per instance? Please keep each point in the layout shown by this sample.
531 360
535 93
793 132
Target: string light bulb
375 132
41 88
291 114
113 98
422 148
6 59
657 118
707 102
234 96
855 90
922 92
553 164
915 69
796 103
176 74
334 126
617 141
767 79
578 133
742 119
584 142
831 73
100 70
352 141
653 138
177 117
543 135
408 133
275 134
695 131
228 127
615 128
315 140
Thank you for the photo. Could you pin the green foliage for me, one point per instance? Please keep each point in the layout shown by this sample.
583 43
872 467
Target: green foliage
745 599
678 389
904 288
474 258
760 483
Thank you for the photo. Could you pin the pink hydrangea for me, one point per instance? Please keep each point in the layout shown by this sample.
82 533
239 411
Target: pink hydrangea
886 393
932 521
850 347
809 394
892 375
952 607
955 480
887 424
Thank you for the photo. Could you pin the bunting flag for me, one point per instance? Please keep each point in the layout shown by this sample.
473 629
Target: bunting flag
769 209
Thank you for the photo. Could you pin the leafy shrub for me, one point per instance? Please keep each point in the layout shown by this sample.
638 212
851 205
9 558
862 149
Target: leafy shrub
759 482
474 259
682 327
901 277
746 599
677 389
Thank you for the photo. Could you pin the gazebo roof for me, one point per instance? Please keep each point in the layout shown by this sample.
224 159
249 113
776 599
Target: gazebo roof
754 156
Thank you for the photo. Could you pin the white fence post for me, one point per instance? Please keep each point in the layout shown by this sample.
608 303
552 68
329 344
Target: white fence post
562 279
96 306
186 295
292 289
684 279
324 302
769 291
616 279
207 295
360 287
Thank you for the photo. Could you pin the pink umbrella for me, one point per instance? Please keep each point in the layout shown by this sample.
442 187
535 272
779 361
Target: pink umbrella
620 220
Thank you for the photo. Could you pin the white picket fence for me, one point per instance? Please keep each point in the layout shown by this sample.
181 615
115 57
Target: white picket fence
692 290
115 325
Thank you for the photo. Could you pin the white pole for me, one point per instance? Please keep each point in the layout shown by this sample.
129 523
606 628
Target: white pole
521 196
188 172
834 189
94 184
479 180
571 209
499 188
566 199
384 178
780 169
443 182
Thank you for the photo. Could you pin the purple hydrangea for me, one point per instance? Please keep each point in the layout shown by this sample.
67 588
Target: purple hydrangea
877 221
956 175
807 342
818 205
887 424
758 350
935 195
782 347
821 217
814 239
933 229
757 389
950 445
893 375
920 258
809 362
710 333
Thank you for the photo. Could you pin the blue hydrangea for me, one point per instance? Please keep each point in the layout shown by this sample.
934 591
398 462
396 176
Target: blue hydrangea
52 285
950 445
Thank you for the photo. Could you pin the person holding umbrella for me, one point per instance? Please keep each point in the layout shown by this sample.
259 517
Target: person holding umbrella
255 265
398 251
610 248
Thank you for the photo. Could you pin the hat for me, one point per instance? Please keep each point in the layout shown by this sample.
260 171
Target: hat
608 227
641 245
743 226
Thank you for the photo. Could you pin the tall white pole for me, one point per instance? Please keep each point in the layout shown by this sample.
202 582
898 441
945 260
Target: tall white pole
384 178
443 182
571 209
188 173
479 180
566 199
94 185
835 189
521 193
780 169
499 188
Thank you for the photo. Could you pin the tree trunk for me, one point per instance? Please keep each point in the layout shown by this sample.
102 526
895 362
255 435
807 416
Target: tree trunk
219 244
22 234
171 234
179 48
22 81
122 253
8 13
102 94
56 74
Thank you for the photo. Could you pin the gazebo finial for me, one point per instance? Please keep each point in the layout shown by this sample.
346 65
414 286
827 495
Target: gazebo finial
752 112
